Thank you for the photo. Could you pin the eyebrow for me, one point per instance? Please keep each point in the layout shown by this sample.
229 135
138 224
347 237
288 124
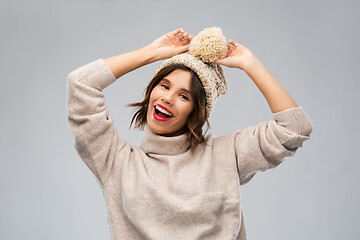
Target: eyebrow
182 89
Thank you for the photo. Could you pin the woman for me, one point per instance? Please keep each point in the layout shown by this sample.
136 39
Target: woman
179 184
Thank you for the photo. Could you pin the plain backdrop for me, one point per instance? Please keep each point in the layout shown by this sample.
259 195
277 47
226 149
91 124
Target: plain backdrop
310 47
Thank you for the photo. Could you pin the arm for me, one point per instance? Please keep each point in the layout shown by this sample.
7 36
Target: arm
96 139
241 57
276 96
265 145
127 62
166 46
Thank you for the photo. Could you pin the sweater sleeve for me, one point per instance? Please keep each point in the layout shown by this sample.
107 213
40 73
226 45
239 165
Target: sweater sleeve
265 145
96 139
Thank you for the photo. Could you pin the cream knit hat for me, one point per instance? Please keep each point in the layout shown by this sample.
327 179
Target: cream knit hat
205 48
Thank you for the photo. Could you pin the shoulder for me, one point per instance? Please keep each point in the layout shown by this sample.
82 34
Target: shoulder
222 147
221 141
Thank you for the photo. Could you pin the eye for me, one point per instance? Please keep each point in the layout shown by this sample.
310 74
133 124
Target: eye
184 97
164 86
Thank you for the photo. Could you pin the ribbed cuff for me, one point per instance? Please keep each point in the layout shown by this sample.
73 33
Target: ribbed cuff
295 119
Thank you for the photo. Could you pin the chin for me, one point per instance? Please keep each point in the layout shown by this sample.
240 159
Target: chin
165 132
159 130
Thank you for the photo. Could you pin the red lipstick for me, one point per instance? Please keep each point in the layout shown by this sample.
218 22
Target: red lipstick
161 118
165 109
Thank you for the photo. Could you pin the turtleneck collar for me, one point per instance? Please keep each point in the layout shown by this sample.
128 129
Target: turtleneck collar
157 144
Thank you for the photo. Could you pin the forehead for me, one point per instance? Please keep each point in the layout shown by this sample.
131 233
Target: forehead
179 78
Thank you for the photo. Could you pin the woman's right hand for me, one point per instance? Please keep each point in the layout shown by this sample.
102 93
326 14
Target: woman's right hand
170 44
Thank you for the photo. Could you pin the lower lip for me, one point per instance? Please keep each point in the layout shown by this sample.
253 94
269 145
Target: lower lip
159 118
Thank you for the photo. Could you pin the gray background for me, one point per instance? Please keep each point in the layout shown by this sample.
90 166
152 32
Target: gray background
310 47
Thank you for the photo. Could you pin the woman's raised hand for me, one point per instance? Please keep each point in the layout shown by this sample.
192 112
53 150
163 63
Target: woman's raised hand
238 56
171 44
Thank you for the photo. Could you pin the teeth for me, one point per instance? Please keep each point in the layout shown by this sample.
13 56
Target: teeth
163 111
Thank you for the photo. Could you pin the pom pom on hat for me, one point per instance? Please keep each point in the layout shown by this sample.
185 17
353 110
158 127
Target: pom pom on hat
204 49
209 45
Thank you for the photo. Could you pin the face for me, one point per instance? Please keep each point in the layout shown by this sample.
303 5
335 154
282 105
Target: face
170 104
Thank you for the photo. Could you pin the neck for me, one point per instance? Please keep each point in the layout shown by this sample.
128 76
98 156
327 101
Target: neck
165 145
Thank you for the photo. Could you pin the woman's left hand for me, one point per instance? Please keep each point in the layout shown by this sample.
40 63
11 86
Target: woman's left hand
238 56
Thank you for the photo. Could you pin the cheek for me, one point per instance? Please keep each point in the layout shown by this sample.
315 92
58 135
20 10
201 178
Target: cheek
156 90
187 110
153 96
150 103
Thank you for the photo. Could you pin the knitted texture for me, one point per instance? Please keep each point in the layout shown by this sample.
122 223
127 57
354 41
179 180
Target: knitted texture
209 45
205 48
158 191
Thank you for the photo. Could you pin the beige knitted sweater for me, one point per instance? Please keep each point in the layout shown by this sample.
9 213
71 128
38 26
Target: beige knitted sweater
158 190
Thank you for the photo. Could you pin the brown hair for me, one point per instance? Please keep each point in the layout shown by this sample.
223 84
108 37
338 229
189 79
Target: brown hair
196 119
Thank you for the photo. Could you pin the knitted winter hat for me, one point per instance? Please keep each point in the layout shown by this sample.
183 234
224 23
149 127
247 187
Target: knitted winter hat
205 48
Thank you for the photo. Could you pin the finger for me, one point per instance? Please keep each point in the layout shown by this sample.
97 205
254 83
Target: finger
188 39
180 36
230 46
234 43
219 62
176 36
177 31
185 40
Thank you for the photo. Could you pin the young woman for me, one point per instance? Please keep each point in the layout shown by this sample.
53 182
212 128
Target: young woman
179 184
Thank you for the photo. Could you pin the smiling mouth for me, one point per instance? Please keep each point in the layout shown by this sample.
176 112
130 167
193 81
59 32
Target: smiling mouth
160 115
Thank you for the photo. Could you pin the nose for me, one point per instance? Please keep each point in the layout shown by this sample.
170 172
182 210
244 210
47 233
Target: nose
168 98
